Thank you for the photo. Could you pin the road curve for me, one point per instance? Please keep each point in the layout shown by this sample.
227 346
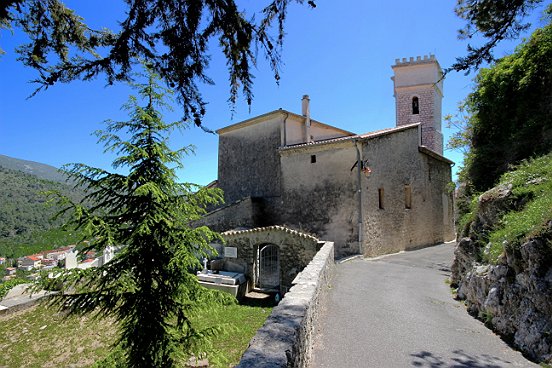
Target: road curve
397 311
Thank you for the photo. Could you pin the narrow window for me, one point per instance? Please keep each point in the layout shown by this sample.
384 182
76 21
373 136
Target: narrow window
313 159
407 197
429 173
380 198
415 106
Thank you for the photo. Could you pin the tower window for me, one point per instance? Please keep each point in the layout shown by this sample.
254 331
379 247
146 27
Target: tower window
313 159
407 197
380 198
415 106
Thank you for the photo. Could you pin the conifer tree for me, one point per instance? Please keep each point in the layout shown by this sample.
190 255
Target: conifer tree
148 287
175 37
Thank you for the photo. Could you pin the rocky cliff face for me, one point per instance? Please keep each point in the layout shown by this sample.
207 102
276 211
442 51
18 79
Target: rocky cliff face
513 296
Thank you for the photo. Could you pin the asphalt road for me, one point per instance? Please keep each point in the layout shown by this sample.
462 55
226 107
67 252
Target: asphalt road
397 311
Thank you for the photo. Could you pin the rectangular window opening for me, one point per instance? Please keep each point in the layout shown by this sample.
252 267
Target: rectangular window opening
407 197
380 198
313 159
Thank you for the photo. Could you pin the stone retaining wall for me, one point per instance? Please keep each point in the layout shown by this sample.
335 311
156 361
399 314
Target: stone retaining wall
285 340
512 295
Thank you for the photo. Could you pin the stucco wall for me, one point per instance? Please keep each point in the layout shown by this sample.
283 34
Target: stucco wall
295 131
319 197
410 72
249 165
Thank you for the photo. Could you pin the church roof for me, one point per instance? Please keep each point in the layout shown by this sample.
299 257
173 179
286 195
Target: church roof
268 115
435 155
368 136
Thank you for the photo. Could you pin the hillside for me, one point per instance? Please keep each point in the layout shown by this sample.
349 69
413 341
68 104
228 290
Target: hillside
25 216
41 171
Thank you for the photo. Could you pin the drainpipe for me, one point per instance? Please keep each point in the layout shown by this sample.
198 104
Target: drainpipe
283 141
359 191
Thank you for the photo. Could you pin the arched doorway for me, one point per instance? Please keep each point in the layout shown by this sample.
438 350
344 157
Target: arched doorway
268 267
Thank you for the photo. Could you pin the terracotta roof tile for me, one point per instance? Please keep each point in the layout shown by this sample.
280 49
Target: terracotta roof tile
269 228
368 135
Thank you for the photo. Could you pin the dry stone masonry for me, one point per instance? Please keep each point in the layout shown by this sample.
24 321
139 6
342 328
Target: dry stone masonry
512 296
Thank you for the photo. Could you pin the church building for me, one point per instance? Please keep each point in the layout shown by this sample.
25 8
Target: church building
373 193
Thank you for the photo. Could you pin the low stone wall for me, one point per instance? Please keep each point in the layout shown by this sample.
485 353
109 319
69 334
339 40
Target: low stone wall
19 298
285 340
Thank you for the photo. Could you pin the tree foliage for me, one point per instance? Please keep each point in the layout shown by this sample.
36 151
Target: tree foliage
6 286
495 20
37 241
509 115
173 36
148 287
27 223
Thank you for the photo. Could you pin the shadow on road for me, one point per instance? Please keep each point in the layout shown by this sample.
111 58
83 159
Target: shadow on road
460 358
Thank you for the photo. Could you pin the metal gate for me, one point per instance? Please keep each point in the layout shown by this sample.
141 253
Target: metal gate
268 267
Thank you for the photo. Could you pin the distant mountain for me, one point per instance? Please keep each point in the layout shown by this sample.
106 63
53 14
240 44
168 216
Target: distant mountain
25 217
37 169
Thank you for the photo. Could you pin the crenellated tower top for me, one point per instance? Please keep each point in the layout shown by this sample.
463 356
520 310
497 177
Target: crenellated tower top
418 91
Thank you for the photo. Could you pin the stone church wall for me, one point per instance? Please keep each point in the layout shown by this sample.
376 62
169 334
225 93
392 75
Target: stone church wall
391 222
319 196
236 215
249 165
295 131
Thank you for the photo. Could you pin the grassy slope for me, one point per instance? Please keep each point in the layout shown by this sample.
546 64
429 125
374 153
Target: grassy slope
532 186
40 337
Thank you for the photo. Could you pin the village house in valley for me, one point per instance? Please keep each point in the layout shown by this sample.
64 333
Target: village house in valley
370 194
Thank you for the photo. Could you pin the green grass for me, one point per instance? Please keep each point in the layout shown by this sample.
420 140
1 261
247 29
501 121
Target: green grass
532 185
240 323
40 337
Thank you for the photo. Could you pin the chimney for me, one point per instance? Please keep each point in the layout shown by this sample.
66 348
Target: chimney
305 106
305 110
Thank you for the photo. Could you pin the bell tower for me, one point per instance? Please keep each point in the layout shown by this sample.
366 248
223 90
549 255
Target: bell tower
418 91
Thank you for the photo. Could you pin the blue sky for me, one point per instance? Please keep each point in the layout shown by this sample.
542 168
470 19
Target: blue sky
339 53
